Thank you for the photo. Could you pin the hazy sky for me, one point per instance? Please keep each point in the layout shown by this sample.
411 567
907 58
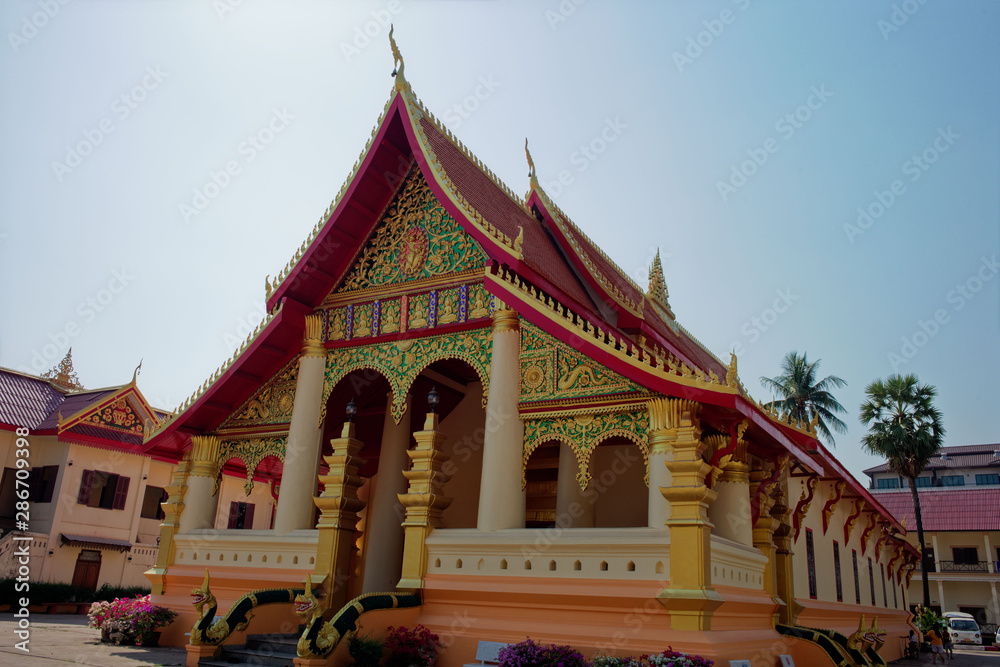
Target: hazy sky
818 177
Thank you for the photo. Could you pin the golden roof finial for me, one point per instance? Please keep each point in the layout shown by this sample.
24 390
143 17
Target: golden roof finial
397 62
657 290
732 377
135 373
531 165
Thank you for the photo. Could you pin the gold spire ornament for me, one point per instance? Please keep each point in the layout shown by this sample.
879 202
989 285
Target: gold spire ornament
531 164
657 291
397 62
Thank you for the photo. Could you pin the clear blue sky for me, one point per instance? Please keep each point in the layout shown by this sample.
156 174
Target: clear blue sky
739 138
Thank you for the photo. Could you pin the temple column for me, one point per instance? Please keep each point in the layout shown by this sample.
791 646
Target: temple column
501 494
201 501
172 510
302 452
660 452
423 500
573 510
783 573
339 505
384 548
689 598
763 529
730 513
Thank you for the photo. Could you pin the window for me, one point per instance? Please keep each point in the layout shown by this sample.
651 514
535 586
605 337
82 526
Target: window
888 483
871 581
240 515
953 480
857 579
151 503
989 478
923 481
103 489
965 555
885 597
811 560
836 572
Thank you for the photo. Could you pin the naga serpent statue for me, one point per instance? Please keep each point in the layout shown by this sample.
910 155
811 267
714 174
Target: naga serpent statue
319 638
207 631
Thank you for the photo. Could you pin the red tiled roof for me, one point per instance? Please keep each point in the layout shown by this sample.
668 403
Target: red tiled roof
946 509
540 252
25 400
73 404
961 456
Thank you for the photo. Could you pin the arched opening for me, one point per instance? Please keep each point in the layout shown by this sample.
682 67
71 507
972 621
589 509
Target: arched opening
541 475
617 484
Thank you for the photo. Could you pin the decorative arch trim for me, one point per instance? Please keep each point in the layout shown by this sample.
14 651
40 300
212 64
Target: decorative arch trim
401 361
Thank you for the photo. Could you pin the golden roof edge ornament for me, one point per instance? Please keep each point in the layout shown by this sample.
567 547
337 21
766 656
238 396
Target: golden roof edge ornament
657 290
397 62
519 242
135 373
531 166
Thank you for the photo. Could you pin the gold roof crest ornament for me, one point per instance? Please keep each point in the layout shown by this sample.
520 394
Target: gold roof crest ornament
531 165
397 62
657 291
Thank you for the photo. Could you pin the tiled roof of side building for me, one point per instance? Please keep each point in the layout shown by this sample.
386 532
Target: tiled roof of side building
944 509
962 456
73 404
25 400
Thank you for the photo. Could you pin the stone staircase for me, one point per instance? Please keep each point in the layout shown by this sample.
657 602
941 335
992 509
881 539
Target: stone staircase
271 650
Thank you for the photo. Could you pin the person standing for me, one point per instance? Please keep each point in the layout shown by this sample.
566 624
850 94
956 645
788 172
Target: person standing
937 644
949 647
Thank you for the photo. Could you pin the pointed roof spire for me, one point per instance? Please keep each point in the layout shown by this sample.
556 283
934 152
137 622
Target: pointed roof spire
397 62
63 373
657 291
135 373
531 165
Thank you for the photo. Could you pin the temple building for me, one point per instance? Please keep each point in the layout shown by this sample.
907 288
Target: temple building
459 412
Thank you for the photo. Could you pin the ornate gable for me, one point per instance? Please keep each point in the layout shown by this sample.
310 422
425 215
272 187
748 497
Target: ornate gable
271 404
552 370
416 238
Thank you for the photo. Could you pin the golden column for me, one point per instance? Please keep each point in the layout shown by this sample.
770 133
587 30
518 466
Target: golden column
200 500
783 573
302 453
172 509
660 451
689 598
339 506
423 500
501 496
763 529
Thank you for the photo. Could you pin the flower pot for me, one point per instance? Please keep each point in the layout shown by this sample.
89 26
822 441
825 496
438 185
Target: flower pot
151 639
105 636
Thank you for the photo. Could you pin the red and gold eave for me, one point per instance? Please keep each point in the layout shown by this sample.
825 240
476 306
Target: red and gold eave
552 255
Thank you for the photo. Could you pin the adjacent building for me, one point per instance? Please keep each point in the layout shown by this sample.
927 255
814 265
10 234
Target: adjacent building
960 506
93 498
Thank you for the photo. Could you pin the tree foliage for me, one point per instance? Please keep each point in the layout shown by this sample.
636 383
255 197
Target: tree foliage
804 396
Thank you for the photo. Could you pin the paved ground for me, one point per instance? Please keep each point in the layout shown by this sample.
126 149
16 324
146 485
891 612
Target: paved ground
58 639
61 638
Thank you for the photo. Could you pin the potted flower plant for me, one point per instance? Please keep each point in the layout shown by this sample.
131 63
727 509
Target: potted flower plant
130 620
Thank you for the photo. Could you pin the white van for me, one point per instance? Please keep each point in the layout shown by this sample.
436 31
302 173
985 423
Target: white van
963 628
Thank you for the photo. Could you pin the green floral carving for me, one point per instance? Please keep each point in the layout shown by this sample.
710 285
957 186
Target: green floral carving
252 451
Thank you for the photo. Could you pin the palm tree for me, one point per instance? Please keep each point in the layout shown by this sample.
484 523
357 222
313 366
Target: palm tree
905 428
803 397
